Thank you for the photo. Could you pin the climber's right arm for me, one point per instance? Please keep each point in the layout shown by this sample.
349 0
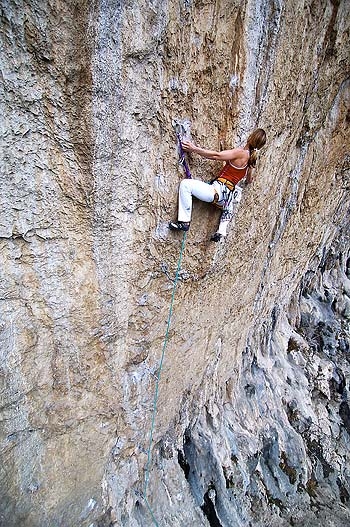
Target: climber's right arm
250 175
224 155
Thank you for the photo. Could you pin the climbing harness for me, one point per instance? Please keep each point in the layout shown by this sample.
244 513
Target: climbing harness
229 184
166 338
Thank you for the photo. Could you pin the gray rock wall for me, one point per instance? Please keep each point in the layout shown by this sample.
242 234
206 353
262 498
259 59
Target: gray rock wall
252 424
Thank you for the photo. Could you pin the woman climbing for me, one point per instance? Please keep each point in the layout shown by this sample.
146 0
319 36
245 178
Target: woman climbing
240 163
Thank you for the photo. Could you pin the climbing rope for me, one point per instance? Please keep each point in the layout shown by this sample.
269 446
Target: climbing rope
166 338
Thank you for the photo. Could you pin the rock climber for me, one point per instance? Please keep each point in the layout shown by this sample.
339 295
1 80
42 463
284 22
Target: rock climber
240 163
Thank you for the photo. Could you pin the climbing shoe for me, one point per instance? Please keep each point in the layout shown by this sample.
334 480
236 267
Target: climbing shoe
179 226
216 237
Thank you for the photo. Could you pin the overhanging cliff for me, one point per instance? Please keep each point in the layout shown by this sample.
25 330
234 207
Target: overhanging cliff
253 419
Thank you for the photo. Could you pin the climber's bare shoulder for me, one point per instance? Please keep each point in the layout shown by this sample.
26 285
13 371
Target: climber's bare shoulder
238 156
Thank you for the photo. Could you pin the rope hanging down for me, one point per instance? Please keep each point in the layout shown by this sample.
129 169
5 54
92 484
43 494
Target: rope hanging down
148 464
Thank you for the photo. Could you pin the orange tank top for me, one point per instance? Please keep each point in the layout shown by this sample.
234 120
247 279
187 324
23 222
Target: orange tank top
232 173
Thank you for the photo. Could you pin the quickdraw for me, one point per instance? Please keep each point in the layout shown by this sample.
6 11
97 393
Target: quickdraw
179 130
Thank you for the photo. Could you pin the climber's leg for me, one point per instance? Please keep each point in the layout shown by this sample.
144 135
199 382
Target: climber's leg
226 216
227 204
189 188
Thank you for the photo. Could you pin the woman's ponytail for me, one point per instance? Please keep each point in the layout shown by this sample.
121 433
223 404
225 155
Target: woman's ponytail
252 157
255 141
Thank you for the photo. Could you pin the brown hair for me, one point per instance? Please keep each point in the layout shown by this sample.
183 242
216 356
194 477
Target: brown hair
255 141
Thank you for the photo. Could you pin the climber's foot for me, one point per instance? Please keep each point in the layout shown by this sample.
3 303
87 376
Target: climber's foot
216 237
179 226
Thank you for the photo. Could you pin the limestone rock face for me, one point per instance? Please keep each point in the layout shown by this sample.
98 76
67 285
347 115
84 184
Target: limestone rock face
252 419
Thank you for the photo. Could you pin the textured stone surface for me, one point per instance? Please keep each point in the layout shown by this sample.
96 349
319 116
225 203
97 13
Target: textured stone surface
253 417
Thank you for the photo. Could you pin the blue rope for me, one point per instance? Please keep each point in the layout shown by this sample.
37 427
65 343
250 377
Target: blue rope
148 464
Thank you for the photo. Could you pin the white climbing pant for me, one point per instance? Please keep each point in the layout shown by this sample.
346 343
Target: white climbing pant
205 192
198 189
